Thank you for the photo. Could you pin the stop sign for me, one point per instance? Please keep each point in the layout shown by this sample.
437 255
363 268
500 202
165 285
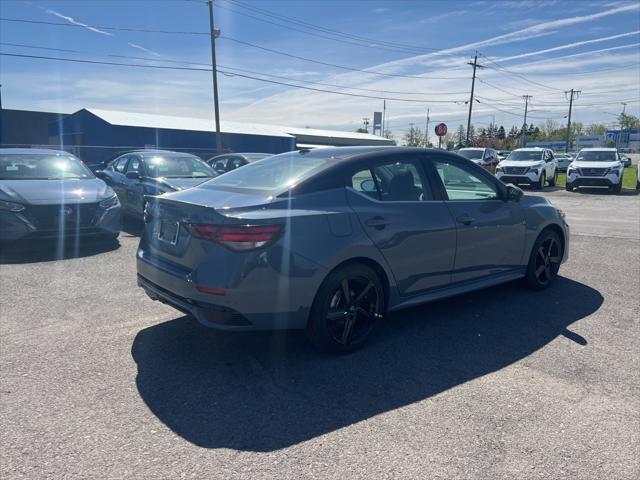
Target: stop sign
441 129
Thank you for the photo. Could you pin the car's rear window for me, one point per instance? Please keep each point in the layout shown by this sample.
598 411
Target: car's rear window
40 166
273 174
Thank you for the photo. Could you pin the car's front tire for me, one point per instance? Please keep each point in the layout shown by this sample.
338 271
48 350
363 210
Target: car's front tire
544 261
568 187
347 310
539 185
617 188
554 179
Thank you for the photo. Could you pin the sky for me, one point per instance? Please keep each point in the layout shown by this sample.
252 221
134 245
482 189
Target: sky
415 54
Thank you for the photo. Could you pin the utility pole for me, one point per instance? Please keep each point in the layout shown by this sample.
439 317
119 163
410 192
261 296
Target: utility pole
473 84
365 122
576 93
524 125
384 117
426 132
214 70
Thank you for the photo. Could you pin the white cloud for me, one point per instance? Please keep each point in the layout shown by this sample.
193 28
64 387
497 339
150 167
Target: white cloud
380 10
570 45
146 50
75 22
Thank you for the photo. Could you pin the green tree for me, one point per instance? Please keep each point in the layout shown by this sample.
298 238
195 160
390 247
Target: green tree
414 137
501 134
362 130
628 122
595 129
460 137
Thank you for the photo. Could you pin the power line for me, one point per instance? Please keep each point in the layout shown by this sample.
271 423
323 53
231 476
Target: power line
343 67
501 68
101 27
182 62
231 74
267 13
319 35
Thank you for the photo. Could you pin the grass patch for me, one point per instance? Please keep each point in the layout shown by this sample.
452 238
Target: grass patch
628 179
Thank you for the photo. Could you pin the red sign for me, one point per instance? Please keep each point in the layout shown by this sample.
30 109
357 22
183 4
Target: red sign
441 129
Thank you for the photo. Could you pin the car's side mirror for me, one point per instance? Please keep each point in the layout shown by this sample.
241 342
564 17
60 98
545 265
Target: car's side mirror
368 185
100 174
514 194
133 175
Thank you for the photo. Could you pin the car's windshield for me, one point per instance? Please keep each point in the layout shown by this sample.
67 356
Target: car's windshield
471 154
179 166
41 166
272 173
524 155
597 156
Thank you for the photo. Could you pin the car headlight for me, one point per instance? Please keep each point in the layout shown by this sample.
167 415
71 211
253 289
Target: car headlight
614 170
11 206
109 202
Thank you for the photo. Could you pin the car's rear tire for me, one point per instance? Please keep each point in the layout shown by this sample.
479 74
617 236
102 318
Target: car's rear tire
539 185
347 310
554 180
544 261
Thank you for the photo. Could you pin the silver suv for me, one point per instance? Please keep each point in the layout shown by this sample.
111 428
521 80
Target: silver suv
534 166
596 167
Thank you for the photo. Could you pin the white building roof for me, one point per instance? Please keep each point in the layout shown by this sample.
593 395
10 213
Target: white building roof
148 120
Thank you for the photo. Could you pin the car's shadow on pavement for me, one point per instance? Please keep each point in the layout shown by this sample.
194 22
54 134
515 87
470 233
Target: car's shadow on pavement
132 226
35 251
267 391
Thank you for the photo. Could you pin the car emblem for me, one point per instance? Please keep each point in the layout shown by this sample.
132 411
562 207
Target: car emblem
67 211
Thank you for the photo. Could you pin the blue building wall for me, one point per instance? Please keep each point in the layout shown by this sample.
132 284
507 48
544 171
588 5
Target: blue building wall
94 140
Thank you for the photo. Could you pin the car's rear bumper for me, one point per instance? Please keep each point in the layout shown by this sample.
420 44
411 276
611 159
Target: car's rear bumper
16 226
252 304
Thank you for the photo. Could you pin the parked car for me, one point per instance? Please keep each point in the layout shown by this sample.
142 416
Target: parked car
638 176
534 166
563 159
230 161
332 239
137 174
52 194
626 160
596 167
485 157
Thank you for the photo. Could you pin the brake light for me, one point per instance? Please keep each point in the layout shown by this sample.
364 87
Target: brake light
241 238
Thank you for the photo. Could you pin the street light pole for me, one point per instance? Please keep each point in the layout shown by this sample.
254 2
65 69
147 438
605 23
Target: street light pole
214 71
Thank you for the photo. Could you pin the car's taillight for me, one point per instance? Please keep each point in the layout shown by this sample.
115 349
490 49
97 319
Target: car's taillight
240 238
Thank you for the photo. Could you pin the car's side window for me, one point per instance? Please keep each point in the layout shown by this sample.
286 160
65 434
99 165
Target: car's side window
134 165
462 183
120 164
363 182
401 182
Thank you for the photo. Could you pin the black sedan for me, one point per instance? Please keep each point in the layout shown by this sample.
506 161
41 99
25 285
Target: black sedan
230 161
52 194
153 172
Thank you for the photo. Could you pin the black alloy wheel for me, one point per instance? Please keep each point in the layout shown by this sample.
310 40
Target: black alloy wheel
544 262
348 309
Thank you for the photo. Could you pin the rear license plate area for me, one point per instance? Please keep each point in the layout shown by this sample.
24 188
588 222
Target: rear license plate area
168 232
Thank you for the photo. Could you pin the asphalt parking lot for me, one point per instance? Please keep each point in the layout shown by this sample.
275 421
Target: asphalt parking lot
97 381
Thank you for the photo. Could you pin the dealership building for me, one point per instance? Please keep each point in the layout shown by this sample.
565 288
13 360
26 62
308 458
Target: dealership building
96 135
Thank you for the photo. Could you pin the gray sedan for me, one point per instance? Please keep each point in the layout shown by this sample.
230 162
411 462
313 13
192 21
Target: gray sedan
51 193
332 239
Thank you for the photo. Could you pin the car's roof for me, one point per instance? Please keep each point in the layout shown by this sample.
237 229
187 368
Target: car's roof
473 148
355 153
530 149
155 153
601 149
33 151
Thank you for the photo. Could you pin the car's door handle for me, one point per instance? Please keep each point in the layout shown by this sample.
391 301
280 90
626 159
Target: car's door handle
465 219
377 222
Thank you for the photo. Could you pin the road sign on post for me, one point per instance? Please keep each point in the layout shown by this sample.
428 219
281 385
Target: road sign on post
441 131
